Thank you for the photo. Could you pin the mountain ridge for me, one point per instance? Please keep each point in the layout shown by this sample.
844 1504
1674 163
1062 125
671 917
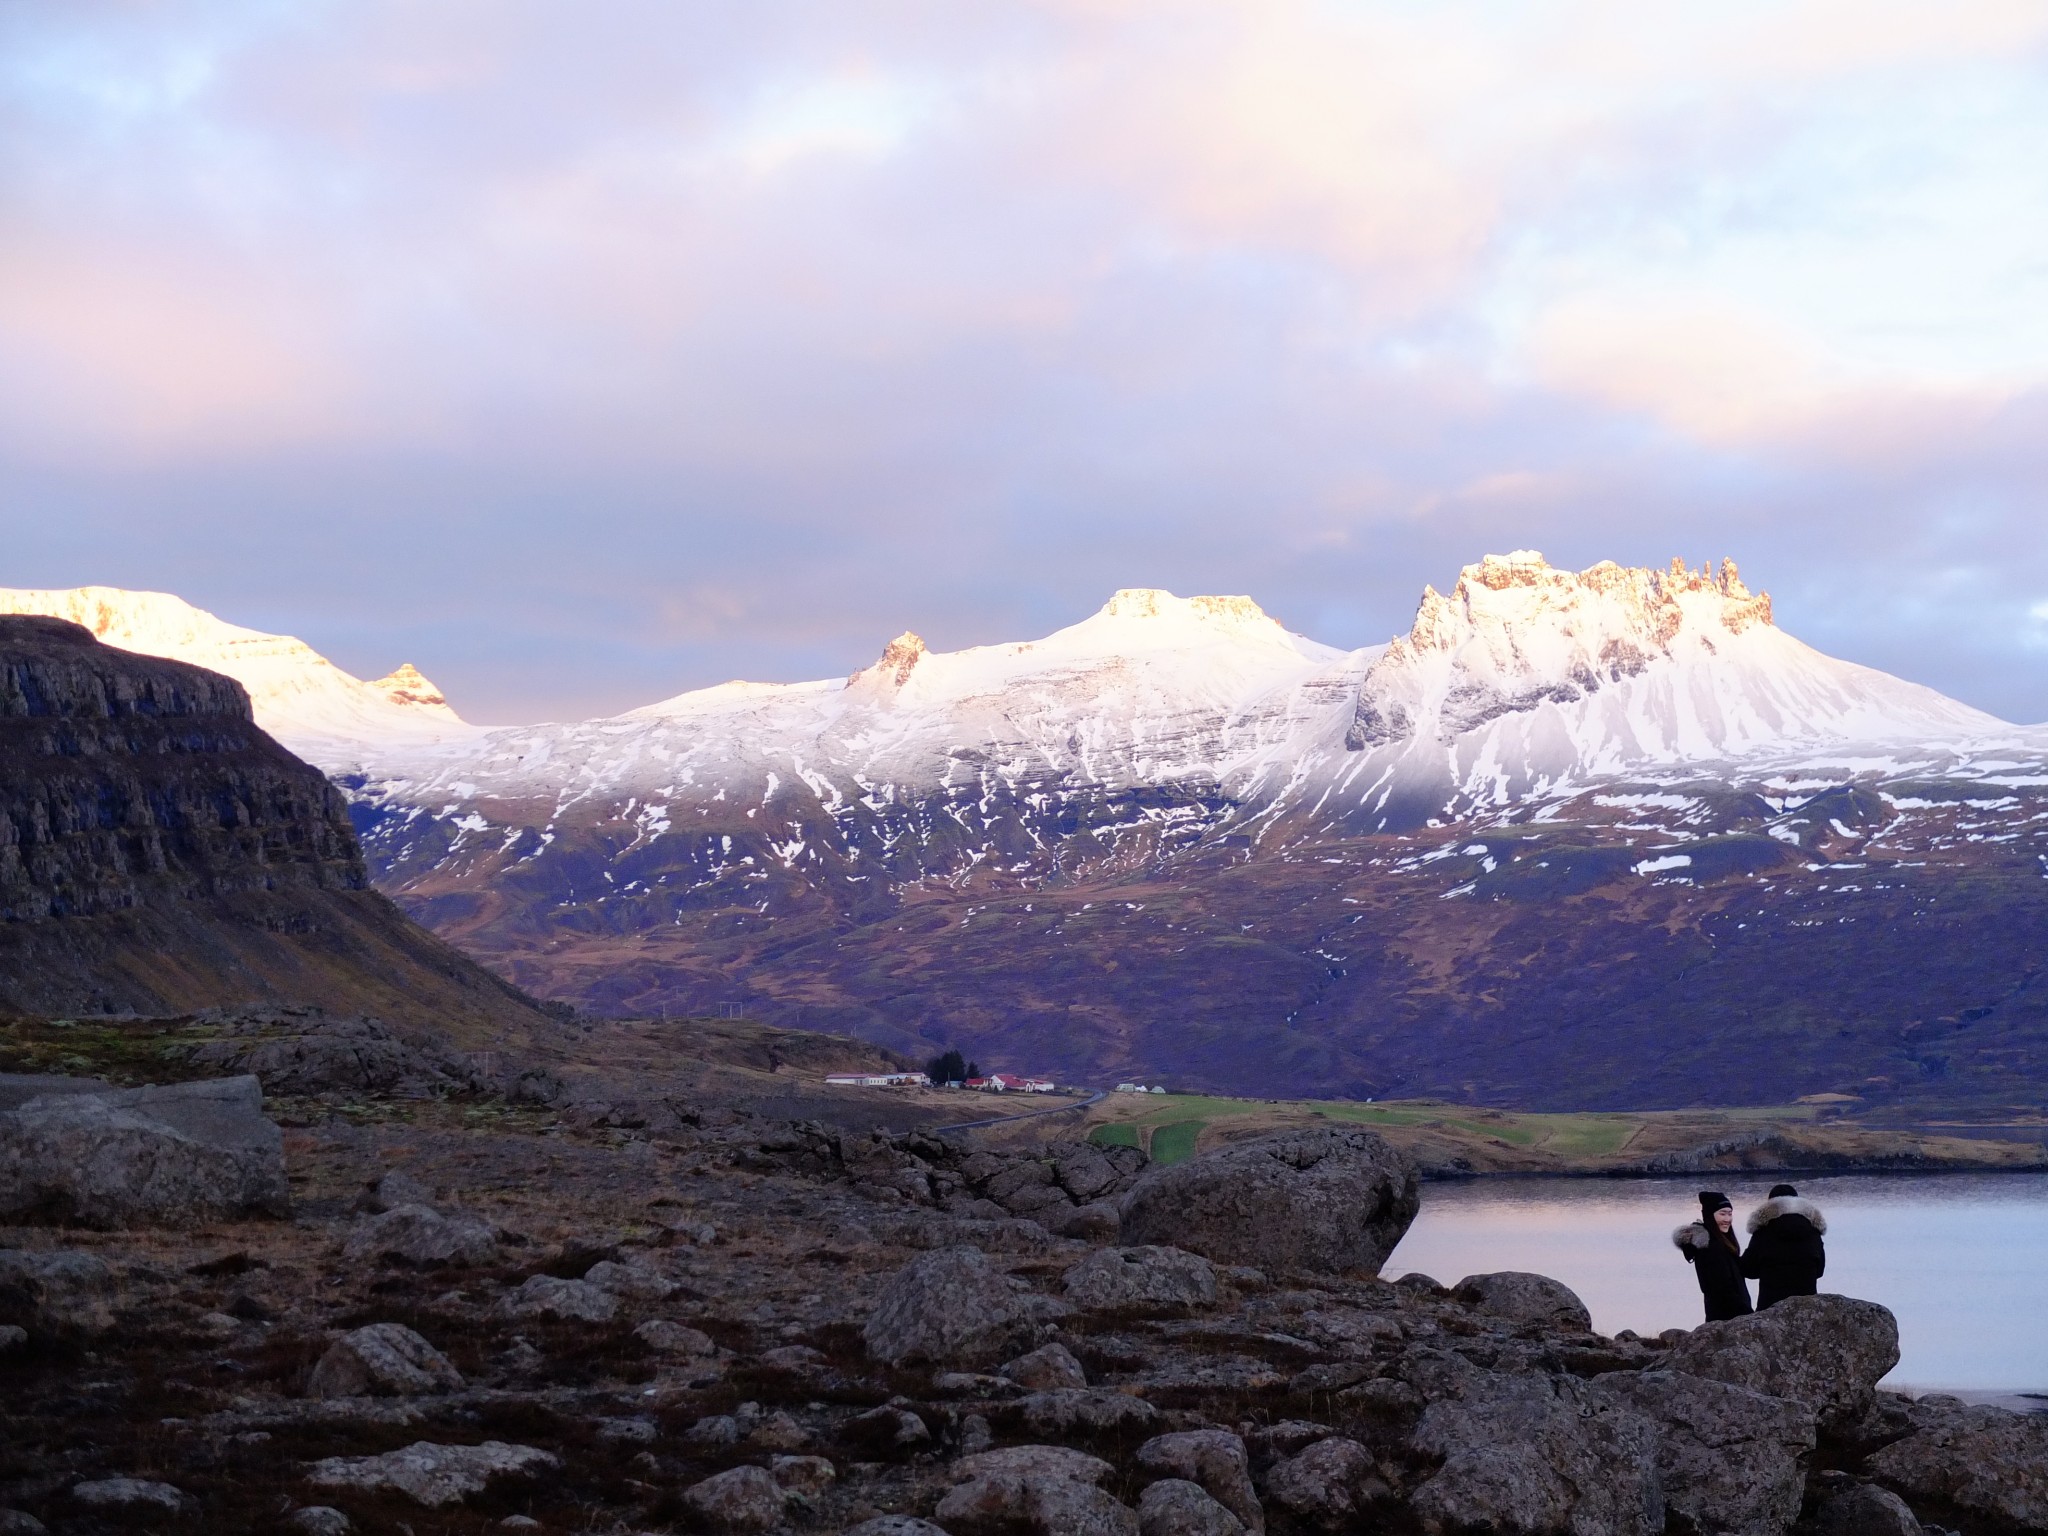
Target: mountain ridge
1145 846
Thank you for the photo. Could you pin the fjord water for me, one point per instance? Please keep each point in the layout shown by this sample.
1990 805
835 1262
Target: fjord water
1960 1258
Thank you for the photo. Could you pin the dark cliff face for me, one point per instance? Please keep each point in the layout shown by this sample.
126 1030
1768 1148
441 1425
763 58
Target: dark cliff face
160 854
126 778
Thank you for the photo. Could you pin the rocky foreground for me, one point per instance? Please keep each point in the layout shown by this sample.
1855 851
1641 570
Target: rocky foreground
492 1317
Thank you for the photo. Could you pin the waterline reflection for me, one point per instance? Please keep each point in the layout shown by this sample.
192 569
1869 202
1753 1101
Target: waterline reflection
1958 1257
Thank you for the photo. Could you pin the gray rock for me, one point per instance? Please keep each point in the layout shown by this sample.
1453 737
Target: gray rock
1983 1462
423 1237
1330 1484
1322 1201
386 1359
675 1338
178 1153
1047 1367
129 1493
740 1499
394 1189
430 1474
715 1431
1087 1411
1144 1279
890 1429
1053 1461
802 1474
519 1523
1098 1221
1176 1507
1866 1510
55 1291
1825 1351
320 1520
1525 1298
634 1280
780 1432
895 1525
1731 1460
1215 1460
1536 1454
953 1307
575 1301
1003 1503
1084 1173
19 1522
637 1430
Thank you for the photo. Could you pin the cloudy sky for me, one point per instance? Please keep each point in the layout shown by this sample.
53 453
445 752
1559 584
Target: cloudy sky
582 353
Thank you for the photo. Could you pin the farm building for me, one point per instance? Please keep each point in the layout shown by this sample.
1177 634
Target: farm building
878 1080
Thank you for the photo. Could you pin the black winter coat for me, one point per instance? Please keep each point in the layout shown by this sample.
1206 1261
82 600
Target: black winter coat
1786 1255
1718 1268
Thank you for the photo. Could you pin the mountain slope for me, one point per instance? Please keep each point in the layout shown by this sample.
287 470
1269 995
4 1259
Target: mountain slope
160 854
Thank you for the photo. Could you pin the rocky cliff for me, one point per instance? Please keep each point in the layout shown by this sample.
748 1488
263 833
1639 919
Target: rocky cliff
160 853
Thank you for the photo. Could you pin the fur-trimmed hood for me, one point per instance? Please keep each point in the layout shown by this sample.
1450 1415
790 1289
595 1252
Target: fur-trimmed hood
1786 1205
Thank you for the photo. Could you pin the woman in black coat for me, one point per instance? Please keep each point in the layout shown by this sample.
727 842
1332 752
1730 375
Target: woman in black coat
1786 1255
1710 1247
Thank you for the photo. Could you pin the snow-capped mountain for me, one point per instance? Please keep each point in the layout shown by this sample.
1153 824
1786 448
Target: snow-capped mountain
324 714
1499 855
1523 682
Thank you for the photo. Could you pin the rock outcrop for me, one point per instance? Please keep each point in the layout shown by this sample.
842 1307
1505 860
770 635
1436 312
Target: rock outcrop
160 854
1982 1464
1325 1201
1828 1352
175 1153
955 1308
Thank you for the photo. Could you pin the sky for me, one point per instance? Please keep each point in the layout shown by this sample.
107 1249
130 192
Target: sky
581 354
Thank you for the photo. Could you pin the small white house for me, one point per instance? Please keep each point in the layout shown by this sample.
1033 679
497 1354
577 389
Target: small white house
877 1080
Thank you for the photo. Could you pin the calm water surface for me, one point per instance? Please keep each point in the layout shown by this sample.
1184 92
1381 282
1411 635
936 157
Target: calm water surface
1960 1258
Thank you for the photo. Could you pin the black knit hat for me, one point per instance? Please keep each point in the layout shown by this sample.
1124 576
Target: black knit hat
1712 1200
1783 1189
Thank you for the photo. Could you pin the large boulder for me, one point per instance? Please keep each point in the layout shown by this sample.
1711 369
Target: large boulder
1046 1490
172 1154
422 1237
1520 1297
55 1292
569 1301
1177 1507
1732 1460
1866 1510
1141 1280
1827 1352
1537 1455
1983 1464
1331 1483
1324 1201
433 1475
1216 1461
387 1359
953 1307
741 1499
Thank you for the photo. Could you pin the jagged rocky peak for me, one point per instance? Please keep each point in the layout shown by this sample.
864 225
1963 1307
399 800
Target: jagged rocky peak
1516 632
893 667
1627 606
407 685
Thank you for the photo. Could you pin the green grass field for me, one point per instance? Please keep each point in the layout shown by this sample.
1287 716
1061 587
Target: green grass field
1175 1142
1171 1123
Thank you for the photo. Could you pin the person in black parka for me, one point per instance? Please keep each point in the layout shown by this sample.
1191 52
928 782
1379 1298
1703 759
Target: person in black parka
1786 1255
1710 1247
